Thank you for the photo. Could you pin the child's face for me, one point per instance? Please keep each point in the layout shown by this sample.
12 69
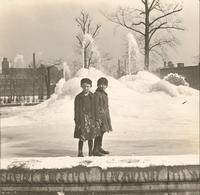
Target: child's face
102 87
86 87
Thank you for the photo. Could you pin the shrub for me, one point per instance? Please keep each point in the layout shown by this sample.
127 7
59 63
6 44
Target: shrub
176 79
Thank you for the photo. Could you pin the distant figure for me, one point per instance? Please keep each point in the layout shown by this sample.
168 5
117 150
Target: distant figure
84 116
102 115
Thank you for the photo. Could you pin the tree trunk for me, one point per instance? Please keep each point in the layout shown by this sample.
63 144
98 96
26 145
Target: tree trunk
85 58
146 46
146 56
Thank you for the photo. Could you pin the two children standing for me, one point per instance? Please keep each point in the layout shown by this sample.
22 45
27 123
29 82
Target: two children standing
92 117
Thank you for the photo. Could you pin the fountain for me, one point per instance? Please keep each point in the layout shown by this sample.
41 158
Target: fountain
134 54
19 61
87 38
66 71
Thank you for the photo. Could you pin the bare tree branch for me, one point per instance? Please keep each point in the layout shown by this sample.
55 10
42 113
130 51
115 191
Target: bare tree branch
121 21
78 20
162 42
146 23
153 30
98 26
162 27
88 26
165 15
152 4
79 39
159 54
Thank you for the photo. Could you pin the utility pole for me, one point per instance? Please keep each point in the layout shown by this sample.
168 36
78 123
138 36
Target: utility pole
34 61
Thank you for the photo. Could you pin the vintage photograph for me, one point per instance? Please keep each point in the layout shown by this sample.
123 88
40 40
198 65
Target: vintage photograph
99 97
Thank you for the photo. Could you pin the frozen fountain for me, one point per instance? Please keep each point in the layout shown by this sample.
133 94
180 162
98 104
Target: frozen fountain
134 55
87 38
66 71
19 61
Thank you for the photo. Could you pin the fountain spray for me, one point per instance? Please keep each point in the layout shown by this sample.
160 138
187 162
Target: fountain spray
87 38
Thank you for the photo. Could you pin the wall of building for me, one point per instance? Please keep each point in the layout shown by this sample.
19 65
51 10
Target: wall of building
191 74
160 180
21 82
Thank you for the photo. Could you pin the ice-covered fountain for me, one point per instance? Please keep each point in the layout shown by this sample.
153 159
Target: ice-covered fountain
87 38
134 55
66 71
19 61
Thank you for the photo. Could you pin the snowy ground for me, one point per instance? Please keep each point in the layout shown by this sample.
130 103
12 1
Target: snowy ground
149 117
103 162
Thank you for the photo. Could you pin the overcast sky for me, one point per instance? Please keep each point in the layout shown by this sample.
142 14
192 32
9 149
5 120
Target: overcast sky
48 27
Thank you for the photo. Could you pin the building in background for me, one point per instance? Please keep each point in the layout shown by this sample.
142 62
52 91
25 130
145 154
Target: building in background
190 73
26 84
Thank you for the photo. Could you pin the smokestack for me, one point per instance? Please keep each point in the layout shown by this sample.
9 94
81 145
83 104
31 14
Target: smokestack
34 65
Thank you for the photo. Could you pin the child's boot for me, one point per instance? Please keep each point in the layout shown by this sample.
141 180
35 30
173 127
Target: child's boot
101 150
80 154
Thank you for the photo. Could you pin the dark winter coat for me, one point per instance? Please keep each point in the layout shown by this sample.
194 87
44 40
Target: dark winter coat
102 110
84 117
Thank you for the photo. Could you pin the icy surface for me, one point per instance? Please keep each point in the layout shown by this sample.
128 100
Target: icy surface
143 108
103 162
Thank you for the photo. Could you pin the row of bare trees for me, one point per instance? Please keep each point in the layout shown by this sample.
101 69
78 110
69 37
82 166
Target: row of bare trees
153 23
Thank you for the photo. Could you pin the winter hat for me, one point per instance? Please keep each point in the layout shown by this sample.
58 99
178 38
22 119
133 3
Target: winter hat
103 81
86 80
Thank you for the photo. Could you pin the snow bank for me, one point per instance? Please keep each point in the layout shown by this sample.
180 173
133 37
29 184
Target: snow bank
145 82
103 162
166 87
141 82
140 105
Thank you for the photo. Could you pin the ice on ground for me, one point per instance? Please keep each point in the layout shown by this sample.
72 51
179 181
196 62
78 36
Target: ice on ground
142 107
102 162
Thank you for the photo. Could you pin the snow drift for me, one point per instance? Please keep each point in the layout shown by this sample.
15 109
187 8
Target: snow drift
142 107
145 82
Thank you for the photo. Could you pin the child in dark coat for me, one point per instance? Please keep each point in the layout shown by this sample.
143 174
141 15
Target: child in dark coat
102 115
84 116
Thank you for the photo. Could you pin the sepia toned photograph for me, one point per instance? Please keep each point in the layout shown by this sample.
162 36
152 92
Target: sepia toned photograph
99 97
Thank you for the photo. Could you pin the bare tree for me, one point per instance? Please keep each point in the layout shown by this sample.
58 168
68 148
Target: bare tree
153 23
84 22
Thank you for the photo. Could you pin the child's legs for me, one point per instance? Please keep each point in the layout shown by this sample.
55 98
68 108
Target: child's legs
101 139
80 145
96 142
90 144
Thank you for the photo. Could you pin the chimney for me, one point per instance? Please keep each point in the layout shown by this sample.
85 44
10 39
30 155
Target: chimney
180 65
5 65
34 65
